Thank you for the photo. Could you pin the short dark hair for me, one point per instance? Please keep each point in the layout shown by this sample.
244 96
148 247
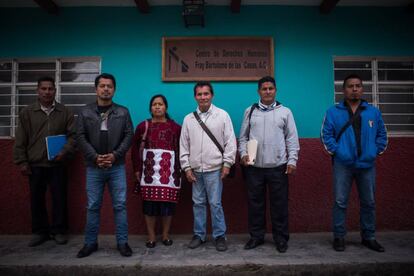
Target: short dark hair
45 78
105 76
351 76
266 79
201 84
164 99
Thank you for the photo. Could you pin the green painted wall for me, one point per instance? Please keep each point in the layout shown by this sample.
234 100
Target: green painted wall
129 44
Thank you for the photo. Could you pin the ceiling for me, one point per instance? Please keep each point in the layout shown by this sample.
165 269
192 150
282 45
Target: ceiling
78 3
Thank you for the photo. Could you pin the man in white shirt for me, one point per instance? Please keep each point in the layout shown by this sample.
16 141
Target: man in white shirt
205 165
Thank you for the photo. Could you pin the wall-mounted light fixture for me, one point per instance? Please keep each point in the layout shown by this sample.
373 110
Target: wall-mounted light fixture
193 12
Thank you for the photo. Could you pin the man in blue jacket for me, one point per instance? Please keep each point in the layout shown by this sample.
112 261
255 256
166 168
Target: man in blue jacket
353 132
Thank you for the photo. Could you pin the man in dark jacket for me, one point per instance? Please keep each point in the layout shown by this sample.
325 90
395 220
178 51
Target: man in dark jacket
353 132
44 118
104 134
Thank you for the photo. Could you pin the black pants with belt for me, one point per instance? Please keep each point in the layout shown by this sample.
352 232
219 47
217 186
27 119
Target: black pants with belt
258 179
40 178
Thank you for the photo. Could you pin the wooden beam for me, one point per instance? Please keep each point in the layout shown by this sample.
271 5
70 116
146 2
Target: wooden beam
49 6
327 6
235 6
410 7
143 6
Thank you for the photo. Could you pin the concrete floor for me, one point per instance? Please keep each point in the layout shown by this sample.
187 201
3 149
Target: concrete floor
308 254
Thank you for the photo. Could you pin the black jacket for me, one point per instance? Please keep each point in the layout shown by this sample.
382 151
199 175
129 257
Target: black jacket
120 132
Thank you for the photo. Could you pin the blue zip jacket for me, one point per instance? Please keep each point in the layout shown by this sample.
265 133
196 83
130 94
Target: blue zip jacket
373 135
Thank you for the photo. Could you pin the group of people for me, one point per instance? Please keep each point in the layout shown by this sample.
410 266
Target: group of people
204 150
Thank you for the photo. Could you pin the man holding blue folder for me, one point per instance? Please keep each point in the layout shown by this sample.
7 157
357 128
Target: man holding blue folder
45 118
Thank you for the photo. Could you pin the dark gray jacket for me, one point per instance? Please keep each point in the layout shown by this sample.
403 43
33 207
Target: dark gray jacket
120 132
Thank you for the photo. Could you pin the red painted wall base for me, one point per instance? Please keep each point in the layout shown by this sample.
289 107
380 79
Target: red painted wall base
310 195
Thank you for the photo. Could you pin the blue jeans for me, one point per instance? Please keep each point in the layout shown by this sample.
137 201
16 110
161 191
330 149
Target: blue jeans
208 187
343 177
95 184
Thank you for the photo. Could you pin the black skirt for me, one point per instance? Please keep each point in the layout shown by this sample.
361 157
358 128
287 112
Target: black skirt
158 208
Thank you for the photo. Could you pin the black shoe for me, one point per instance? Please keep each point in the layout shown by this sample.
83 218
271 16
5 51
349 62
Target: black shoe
221 243
253 243
87 250
38 239
339 244
167 242
373 245
60 238
281 246
150 244
125 250
195 242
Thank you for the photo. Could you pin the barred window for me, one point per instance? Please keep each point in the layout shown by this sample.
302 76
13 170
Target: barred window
388 84
74 79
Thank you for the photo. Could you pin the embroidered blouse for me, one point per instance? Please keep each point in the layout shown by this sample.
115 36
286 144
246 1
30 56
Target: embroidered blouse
159 166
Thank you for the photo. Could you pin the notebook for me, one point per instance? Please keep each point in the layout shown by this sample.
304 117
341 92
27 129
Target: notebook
54 145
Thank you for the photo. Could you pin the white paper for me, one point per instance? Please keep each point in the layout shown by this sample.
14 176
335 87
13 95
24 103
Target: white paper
252 151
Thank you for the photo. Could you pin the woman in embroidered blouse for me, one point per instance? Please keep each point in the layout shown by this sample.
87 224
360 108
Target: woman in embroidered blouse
158 168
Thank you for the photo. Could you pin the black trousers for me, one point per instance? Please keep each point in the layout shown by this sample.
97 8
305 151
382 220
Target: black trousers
258 179
40 178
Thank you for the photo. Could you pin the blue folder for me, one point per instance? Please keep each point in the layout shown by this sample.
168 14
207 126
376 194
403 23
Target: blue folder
54 144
